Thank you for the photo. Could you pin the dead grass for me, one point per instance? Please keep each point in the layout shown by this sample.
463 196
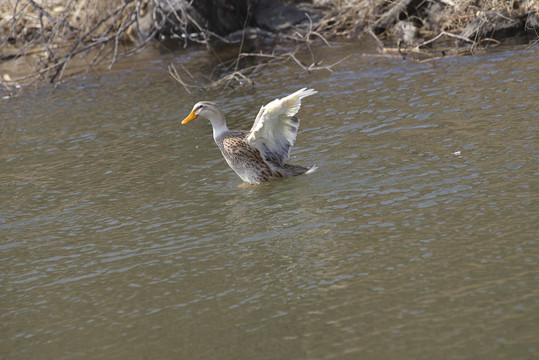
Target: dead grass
39 39
422 20
46 35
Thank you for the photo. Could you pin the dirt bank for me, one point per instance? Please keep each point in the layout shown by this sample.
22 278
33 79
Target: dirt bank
40 39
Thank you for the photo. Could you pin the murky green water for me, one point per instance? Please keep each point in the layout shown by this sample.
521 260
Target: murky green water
125 236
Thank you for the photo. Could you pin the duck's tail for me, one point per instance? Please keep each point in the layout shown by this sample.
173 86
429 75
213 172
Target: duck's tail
295 170
311 170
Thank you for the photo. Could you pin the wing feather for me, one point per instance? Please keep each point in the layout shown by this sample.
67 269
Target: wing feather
275 128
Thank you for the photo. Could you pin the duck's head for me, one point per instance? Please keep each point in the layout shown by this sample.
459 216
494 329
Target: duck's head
205 109
210 111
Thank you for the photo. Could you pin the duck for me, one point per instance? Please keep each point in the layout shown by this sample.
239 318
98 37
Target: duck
258 155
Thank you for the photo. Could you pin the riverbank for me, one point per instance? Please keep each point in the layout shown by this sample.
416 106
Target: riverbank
47 41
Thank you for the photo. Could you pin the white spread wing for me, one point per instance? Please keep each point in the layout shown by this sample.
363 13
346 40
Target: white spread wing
275 127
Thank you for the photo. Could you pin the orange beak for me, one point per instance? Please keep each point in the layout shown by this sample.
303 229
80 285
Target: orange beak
191 117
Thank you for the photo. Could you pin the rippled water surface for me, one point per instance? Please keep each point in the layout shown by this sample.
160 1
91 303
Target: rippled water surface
125 235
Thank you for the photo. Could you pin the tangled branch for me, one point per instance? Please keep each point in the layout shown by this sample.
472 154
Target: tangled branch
50 37
235 76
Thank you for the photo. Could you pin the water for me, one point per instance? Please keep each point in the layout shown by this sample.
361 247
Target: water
125 235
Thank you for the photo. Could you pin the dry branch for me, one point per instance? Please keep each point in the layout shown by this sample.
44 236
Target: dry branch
53 33
237 76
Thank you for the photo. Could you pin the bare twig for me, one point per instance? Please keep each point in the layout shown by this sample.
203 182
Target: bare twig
173 72
446 34
237 62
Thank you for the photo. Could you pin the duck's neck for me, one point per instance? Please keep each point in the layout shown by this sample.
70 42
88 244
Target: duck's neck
219 124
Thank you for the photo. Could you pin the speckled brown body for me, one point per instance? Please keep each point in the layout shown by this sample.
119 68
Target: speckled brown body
247 162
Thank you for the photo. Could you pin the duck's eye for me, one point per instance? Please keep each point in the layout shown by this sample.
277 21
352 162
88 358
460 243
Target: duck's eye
198 109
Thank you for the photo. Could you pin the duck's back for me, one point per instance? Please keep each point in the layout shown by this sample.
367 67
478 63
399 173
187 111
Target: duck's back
247 162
